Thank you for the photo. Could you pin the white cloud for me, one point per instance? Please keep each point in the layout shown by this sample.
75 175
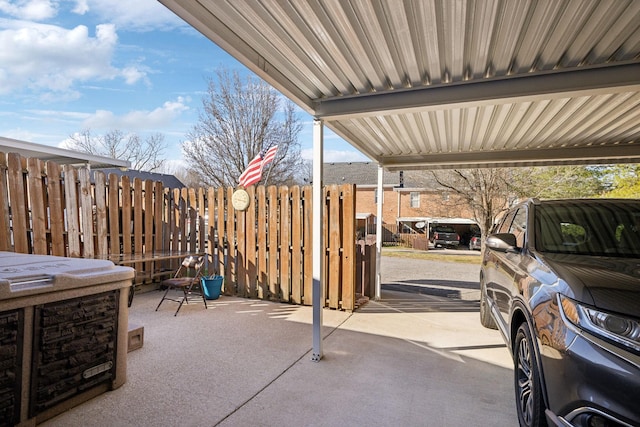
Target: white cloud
132 75
36 10
23 134
69 116
41 57
81 7
139 15
155 120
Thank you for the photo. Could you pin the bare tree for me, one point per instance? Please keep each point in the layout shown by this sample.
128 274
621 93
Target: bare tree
145 155
239 119
489 191
486 191
186 176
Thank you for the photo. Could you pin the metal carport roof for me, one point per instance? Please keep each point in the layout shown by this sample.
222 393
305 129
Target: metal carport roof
442 84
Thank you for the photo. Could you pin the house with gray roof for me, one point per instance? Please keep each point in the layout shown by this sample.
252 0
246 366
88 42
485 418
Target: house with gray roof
412 200
168 181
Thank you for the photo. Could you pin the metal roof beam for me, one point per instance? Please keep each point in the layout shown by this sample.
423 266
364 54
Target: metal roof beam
534 87
609 154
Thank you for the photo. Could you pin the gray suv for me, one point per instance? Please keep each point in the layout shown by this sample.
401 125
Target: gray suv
560 279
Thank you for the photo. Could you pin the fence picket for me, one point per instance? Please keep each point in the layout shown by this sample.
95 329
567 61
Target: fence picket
211 248
202 212
335 247
36 205
147 220
158 217
102 229
229 272
17 192
148 212
273 243
138 220
250 246
55 185
176 201
221 235
307 217
168 225
348 235
241 245
127 211
183 225
71 204
192 212
5 244
86 213
262 242
296 246
285 245
114 214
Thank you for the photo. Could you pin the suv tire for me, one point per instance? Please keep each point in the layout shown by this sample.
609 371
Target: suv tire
529 404
485 312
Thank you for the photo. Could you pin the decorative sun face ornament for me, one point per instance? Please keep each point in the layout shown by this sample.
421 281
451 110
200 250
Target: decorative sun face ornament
240 199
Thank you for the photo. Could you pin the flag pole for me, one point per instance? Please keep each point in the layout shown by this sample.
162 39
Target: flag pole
269 172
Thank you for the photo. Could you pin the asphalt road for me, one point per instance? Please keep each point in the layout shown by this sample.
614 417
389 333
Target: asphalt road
453 279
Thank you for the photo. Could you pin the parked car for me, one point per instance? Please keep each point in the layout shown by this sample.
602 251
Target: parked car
561 281
475 243
444 235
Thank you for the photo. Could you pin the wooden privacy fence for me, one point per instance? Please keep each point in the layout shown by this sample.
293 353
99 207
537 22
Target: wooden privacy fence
264 252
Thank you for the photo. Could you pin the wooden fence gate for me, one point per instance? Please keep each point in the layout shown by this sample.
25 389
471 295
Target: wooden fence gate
264 252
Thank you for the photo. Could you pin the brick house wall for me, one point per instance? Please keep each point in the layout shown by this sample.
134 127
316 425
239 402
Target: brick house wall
434 204
435 201
397 203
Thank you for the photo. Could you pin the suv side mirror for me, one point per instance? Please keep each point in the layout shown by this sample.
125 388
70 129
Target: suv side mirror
502 242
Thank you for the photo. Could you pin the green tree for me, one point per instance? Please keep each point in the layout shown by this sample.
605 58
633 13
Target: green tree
240 118
625 181
557 182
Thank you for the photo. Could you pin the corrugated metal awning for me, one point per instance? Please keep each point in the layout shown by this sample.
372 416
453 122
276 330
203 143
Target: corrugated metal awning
443 84
58 155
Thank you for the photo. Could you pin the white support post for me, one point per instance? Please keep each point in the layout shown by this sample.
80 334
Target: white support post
318 243
379 232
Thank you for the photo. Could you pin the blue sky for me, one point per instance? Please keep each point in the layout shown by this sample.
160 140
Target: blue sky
69 65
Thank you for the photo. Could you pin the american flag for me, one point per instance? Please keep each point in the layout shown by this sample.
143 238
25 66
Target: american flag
253 173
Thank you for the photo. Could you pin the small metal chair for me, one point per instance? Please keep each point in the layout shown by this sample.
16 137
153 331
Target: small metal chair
187 279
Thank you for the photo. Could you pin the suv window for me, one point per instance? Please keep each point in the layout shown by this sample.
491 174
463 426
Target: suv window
519 226
504 226
588 229
443 229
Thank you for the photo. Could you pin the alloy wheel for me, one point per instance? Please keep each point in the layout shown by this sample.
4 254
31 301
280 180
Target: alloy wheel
529 398
525 381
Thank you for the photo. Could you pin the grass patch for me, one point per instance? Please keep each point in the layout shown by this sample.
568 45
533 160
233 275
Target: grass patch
432 255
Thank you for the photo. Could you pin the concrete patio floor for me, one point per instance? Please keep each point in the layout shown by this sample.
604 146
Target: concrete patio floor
415 358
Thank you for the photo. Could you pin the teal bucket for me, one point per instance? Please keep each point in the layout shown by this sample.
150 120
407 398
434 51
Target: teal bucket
212 286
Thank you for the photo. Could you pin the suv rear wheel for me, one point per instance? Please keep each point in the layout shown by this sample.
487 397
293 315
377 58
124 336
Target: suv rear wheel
485 312
527 381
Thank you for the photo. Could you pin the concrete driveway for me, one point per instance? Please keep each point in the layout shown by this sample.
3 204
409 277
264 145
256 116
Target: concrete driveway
418 357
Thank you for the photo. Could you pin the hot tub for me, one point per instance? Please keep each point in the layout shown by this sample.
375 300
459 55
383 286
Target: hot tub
63 333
